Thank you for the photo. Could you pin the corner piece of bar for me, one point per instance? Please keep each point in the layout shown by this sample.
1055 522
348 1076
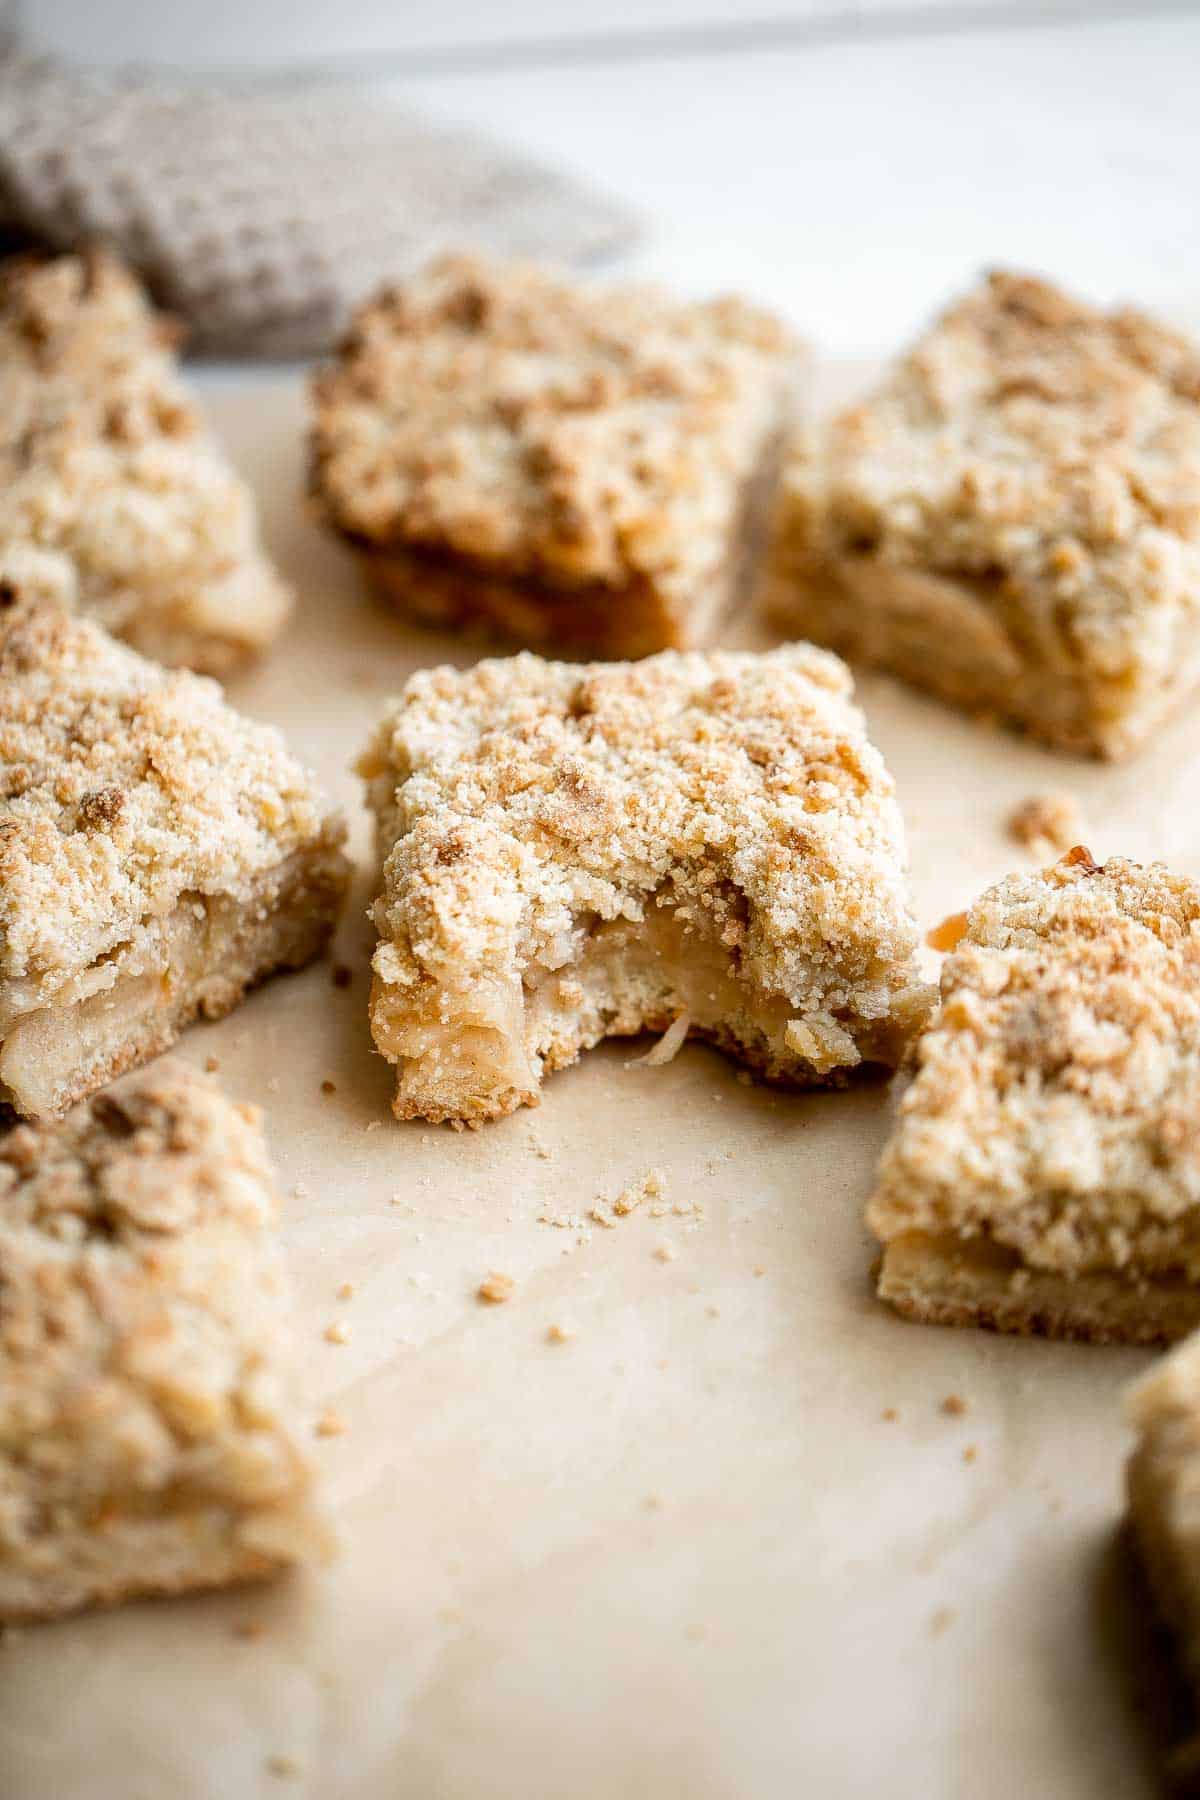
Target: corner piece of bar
115 501
1044 1171
159 854
700 841
147 1440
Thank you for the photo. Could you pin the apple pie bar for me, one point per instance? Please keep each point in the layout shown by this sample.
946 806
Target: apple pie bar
696 844
1044 1172
1162 1486
1012 519
114 499
570 467
146 1439
158 855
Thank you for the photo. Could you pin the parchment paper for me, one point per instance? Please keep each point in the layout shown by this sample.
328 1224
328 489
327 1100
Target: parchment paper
682 1553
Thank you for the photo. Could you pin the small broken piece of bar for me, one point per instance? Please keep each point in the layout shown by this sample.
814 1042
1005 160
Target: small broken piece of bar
1162 1478
115 501
147 1443
159 854
578 852
1044 1171
572 468
1011 519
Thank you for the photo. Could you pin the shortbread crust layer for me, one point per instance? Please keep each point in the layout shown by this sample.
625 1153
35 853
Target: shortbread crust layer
947 1280
579 852
147 1437
562 467
1012 519
158 855
115 501
1044 1172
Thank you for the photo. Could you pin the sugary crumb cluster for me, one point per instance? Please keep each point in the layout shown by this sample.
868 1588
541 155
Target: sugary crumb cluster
529 423
113 498
141 1319
123 787
1056 1105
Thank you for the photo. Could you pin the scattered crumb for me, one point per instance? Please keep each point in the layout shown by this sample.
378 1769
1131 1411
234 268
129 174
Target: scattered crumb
248 1629
346 1291
889 1415
211 1065
758 1271
374 1124
331 1424
327 1086
697 1633
941 1620
273 1084
338 1332
954 1405
560 1334
651 1186
342 976
300 1192
666 1252
946 935
495 1288
714 1312
653 1502
1047 825
284 1766
970 1453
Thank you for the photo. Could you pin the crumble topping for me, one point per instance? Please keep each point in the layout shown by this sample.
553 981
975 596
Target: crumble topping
1056 1104
504 415
122 788
1038 445
113 497
140 1316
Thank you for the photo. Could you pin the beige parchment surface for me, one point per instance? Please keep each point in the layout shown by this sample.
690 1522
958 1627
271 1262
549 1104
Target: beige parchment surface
682 1554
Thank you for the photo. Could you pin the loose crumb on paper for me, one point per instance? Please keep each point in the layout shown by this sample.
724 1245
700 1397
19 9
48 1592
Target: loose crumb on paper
954 1405
211 1065
495 1288
560 1332
338 1332
889 1415
650 1186
286 1767
342 976
665 1252
328 1087
249 1630
331 1424
346 1291
1047 825
941 1620
970 1453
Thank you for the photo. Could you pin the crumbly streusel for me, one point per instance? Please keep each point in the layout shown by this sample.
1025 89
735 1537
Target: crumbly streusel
1055 1111
572 852
146 1442
114 500
122 787
1045 455
570 434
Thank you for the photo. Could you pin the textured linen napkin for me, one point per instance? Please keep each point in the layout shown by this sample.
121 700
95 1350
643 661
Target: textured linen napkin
261 215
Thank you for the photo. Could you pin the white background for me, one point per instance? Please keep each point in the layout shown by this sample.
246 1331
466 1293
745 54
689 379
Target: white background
854 174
